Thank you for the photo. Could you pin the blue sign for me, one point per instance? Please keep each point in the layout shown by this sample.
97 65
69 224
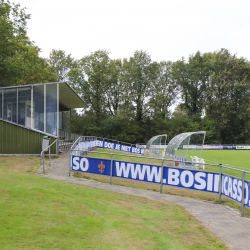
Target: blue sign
229 147
232 189
85 145
189 179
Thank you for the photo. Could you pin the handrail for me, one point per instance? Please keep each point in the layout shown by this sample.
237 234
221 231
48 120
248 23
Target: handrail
42 154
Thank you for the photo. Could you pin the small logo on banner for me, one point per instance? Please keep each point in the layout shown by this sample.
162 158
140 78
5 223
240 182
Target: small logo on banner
101 167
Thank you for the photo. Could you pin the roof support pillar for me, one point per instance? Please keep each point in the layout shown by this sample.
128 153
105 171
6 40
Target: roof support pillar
44 113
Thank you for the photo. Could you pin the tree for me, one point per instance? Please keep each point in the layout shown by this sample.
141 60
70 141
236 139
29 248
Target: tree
20 63
163 92
91 78
113 87
138 76
192 77
62 63
13 27
228 96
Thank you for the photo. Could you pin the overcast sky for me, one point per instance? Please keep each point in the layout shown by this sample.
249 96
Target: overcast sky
167 29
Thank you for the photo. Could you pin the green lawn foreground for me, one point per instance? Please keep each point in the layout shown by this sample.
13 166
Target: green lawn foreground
40 213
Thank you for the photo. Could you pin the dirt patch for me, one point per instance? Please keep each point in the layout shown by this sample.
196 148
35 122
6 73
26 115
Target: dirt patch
4 191
20 164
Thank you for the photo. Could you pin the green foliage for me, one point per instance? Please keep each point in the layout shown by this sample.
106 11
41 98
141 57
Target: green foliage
19 59
130 98
228 96
61 63
193 77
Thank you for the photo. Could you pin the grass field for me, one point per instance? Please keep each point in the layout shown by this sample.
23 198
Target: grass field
40 213
216 156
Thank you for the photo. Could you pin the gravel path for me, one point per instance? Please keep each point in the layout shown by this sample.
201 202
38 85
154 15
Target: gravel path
224 222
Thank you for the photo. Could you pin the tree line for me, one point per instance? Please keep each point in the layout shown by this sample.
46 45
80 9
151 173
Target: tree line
132 99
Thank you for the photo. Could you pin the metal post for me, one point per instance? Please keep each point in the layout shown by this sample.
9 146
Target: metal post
2 103
57 147
220 183
57 109
32 108
44 107
187 146
43 164
243 194
69 162
162 166
49 155
202 146
111 169
17 105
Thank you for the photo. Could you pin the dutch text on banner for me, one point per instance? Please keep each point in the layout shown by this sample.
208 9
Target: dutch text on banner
189 179
86 145
232 188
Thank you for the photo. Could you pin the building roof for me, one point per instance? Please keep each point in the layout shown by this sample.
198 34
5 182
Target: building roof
68 98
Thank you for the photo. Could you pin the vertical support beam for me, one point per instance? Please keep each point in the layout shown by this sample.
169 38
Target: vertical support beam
43 164
69 162
70 120
49 155
44 117
202 145
17 105
187 147
162 166
62 121
57 102
111 169
32 113
243 194
2 102
57 147
220 183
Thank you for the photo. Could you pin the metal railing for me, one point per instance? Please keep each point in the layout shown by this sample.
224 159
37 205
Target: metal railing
74 152
48 148
67 135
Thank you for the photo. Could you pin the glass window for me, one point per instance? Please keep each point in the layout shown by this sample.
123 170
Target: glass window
51 109
38 114
0 104
66 120
10 100
24 106
60 120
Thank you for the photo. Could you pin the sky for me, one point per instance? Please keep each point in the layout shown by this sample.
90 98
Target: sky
166 29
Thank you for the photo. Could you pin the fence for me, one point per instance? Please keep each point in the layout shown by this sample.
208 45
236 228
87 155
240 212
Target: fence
221 183
67 136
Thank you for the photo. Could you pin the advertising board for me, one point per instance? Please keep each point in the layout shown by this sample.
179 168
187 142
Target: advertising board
176 177
86 145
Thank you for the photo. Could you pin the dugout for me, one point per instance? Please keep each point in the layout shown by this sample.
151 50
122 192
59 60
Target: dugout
185 147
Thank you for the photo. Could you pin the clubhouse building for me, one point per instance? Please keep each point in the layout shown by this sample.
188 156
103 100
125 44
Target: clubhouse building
30 112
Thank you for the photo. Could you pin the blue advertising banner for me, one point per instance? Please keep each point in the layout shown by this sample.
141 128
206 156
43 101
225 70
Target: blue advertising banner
232 188
85 145
190 179
229 147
